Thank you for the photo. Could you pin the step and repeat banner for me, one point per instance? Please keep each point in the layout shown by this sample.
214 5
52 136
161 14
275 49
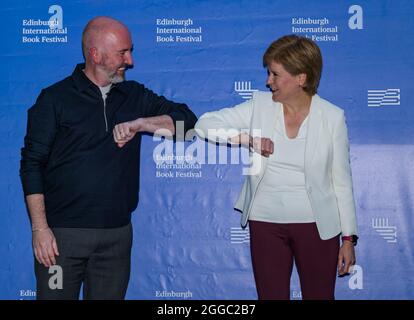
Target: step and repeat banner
188 243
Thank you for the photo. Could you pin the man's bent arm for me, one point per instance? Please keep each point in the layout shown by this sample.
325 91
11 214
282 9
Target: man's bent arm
162 125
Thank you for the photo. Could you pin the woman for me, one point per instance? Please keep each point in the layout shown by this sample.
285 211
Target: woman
301 200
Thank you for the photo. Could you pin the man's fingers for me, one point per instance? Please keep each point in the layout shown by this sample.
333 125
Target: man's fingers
36 253
39 256
51 253
51 256
115 134
122 134
46 252
127 131
45 248
41 259
119 132
124 130
46 259
55 247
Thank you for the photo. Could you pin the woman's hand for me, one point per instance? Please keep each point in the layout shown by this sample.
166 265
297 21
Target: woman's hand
346 258
263 146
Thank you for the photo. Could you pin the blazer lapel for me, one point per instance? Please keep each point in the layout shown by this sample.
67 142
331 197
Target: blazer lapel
270 117
314 127
268 111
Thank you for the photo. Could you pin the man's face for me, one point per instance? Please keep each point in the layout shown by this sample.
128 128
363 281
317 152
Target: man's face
116 48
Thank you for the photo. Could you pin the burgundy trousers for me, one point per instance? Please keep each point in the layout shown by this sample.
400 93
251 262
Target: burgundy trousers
275 246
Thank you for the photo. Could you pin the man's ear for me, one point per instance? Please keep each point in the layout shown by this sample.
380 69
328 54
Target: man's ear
95 55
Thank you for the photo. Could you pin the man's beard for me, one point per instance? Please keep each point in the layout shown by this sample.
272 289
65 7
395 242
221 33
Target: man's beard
117 78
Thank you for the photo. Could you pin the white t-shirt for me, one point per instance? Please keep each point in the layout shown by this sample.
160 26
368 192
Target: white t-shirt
281 196
104 91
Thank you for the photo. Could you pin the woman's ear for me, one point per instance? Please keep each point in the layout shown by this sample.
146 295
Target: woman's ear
302 79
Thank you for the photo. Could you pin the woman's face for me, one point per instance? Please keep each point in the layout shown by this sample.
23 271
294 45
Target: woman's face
284 86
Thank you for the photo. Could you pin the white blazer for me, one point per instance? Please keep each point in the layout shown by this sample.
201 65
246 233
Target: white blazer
327 169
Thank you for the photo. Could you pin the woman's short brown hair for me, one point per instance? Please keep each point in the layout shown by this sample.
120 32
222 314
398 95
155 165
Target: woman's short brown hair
297 55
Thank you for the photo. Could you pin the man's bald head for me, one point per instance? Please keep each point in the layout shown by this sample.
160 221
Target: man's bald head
97 30
107 49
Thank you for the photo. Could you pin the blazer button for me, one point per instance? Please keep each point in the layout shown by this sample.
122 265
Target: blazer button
310 189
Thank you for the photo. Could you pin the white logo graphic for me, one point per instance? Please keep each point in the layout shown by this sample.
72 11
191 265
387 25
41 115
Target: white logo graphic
170 30
356 281
174 294
387 97
244 89
389 233
319 29
56 281
56 21
240 235
169 156
297 295
356 20
45 31
27 293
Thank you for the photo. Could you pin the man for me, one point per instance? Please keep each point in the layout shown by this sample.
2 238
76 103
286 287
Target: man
81 186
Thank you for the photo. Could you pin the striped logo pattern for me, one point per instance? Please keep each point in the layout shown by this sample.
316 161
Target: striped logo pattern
239 235
388 97
387 232
244 89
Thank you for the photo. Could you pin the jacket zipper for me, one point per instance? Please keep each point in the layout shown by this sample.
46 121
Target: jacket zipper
106 120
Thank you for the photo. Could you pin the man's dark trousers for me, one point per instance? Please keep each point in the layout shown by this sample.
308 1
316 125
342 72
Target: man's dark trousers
100 259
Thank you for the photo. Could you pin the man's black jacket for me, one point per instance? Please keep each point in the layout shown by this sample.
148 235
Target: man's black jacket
70 156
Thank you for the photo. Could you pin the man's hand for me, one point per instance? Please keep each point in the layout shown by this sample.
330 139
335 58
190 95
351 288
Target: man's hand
161 125
125 131
45 247
346 258
44 243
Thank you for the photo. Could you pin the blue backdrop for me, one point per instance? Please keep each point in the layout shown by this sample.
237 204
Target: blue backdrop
208 54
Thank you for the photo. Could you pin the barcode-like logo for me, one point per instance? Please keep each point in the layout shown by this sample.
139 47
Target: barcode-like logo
387 232
387 97
239 235
244 89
